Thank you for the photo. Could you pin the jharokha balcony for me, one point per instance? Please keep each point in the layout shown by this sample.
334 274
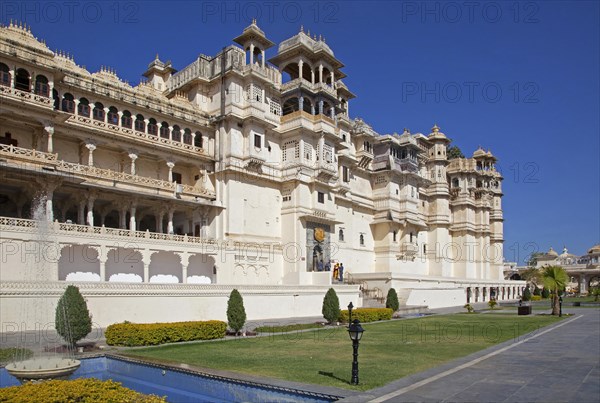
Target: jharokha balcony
100 176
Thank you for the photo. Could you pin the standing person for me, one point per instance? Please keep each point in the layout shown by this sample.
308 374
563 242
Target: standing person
328 265
341 270
320 265
336 271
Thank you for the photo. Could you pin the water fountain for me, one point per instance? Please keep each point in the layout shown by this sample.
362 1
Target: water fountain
44 364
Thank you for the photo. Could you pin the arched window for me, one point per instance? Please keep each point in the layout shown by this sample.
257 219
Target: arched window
164 130
187 136
126 120
84 107
455 183
140 124
394 235
98 111
198 140
152 127
4 75
341 235
176 133
290 106
411 237
22 81
113 116
41 86
362 240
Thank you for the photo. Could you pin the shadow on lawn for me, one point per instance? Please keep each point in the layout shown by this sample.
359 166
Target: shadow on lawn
330 375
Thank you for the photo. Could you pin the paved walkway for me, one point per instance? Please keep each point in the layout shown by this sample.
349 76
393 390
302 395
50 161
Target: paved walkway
556 364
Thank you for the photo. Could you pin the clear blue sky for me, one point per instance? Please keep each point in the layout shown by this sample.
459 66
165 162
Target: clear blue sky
519 78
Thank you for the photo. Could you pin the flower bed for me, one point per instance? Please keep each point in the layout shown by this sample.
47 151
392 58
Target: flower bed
79 390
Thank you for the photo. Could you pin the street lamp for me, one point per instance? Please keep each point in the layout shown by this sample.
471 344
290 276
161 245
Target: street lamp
560 306
355 331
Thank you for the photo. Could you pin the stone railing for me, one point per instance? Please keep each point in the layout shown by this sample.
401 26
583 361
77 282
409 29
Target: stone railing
28 154
60 228
25 96
145 137
302 82
270 73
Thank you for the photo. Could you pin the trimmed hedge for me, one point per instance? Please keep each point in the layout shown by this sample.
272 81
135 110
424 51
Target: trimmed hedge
150 334
88 390
367 314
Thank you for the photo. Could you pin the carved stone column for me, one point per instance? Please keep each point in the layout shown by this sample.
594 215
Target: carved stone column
185 262
49 130
146 259
170 212
170 165
90 147
132 208
91 198
133 155
48 186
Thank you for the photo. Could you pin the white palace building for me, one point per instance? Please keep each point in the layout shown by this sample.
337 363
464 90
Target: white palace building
233 172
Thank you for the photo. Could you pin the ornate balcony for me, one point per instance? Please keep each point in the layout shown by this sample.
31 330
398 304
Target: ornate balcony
72 232
23 96
114 178
129 134
28 155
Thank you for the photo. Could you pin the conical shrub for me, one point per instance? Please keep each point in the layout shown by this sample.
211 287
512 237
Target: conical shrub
236 313
72 319
331 306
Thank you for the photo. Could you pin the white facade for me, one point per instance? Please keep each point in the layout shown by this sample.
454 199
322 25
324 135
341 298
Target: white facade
233 171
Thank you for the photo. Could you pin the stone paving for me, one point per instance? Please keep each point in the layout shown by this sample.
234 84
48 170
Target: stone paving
560 363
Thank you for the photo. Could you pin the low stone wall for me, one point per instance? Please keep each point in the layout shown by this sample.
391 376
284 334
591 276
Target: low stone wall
31 306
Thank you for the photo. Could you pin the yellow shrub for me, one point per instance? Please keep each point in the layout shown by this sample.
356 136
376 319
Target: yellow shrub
85 390
536 297
148 334
367 314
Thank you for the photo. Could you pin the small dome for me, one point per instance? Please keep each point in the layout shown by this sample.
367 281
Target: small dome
436 134
594 249
552 252
481 153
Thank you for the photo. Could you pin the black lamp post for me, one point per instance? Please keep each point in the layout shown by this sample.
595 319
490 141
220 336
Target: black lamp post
350 307
560 306
355 331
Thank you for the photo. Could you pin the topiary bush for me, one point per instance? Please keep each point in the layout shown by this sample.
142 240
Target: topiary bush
367 314
236 313
392 300
469 308
526 294
537 291
492 303
72 319
331 306
84 390
150 334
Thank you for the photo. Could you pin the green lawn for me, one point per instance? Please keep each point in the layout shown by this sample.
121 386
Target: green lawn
388 350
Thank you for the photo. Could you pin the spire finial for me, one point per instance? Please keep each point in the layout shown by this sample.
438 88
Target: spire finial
435 128
302 28
320 37
253 21
323 39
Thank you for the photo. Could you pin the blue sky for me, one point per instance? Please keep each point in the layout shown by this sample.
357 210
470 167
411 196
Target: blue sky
519 78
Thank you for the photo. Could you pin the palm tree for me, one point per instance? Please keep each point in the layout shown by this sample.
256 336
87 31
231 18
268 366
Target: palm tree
555 279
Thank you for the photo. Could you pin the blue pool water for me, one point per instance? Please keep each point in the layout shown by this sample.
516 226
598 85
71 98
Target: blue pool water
179 385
